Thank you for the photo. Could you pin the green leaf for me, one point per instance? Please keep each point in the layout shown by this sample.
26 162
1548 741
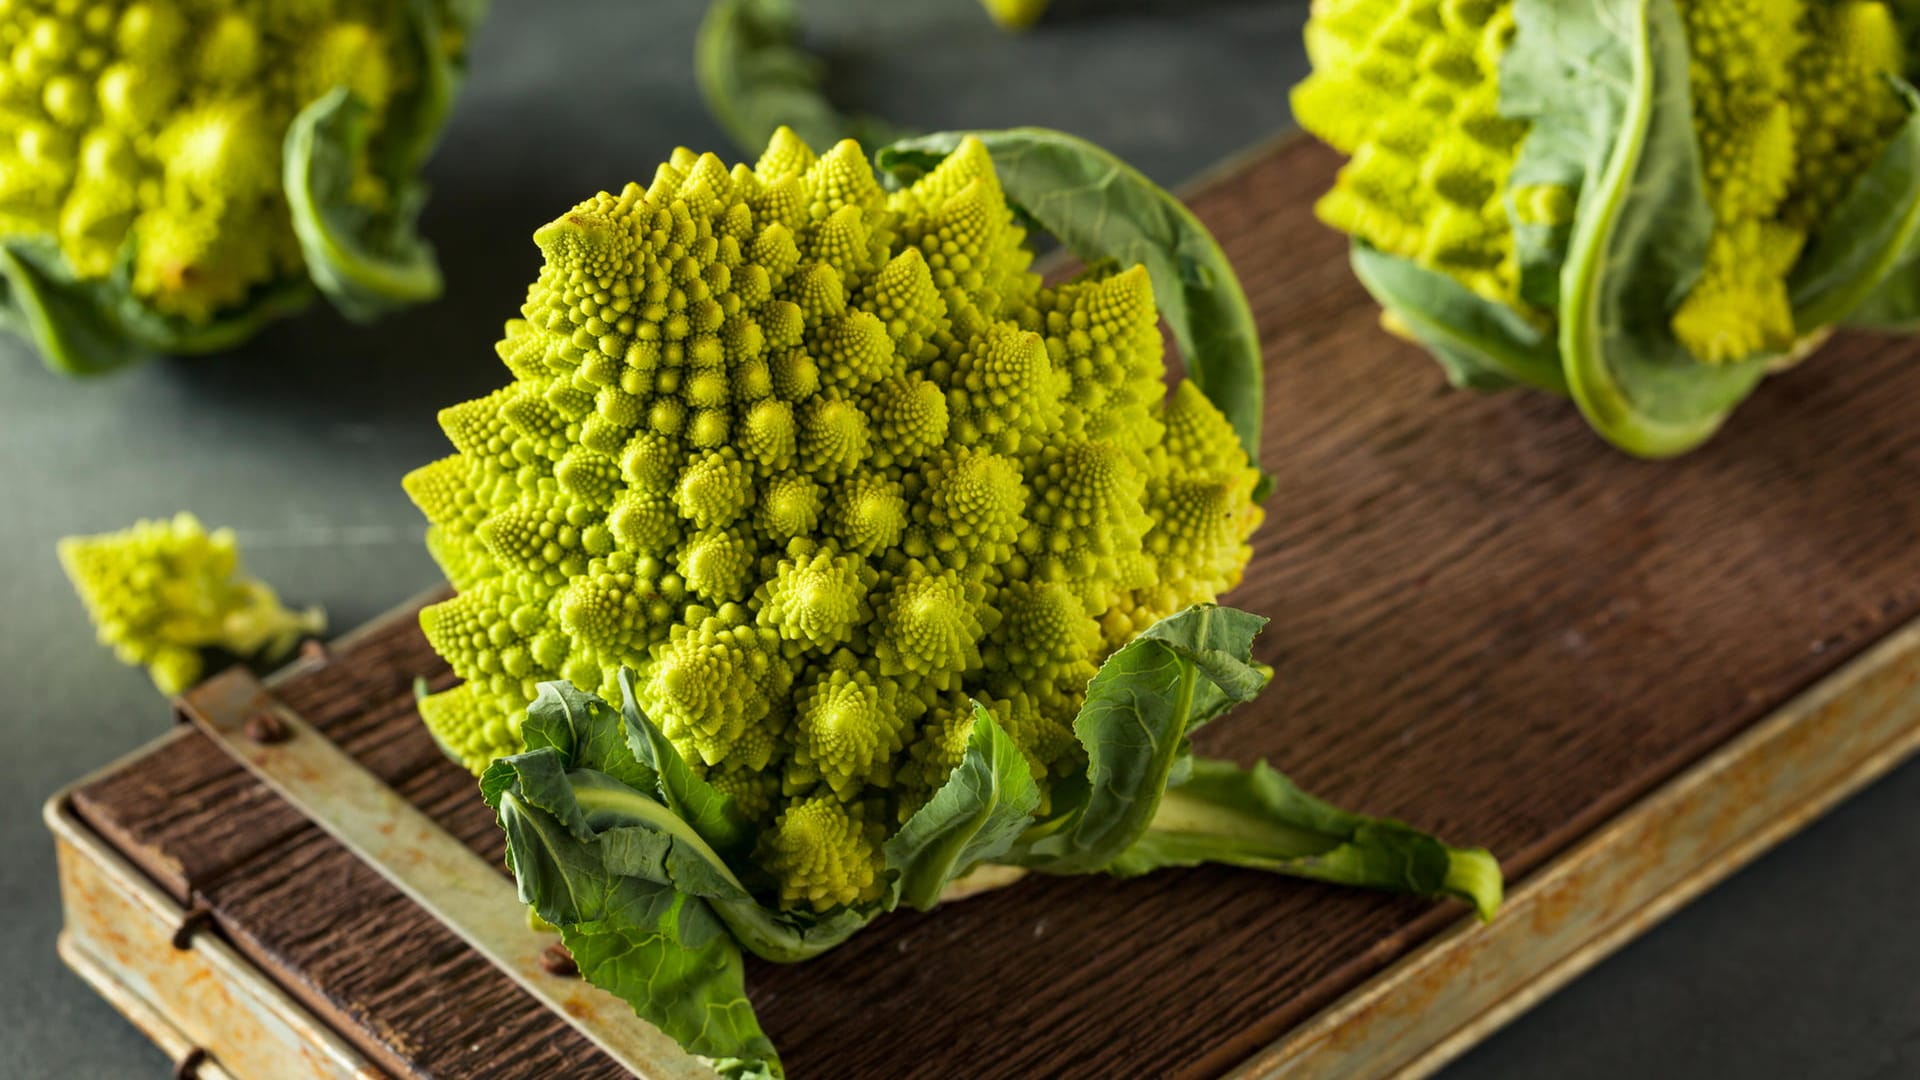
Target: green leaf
541 779
371 260
366 260
582 774
591 733
1483 345
1219 643
707 810
755 78
1140 706
1894 302
1566 143
625 881
69 328
1641 231
975 817
671 959
96 326
598 810
415 120
1259 819
1102 208
557 872
619 817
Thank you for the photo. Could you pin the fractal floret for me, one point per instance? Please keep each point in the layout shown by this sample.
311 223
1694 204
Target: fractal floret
820 462
162 592
176 172
1644 203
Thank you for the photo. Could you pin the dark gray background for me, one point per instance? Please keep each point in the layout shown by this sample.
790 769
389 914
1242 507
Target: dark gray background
1806 965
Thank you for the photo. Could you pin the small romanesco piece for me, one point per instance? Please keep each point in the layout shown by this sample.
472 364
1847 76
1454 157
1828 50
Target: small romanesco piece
824 854
160 592
822 464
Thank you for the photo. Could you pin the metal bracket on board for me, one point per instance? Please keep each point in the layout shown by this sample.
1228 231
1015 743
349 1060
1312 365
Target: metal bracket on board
463 891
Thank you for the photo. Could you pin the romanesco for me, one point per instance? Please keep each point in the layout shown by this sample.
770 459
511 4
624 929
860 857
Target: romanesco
1791 105
1647 205
160 159
1016 14
821 561
821 462
160 592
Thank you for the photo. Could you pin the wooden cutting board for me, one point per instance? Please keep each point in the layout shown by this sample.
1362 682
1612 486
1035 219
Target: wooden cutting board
1624 678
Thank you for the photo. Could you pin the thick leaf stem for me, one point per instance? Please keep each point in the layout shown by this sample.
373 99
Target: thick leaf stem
1260 820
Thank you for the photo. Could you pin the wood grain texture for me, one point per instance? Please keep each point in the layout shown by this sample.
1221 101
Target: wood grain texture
1485 622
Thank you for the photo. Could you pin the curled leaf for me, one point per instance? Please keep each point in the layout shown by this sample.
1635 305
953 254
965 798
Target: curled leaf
1185 670
756 77
974 817
1261 820
366 260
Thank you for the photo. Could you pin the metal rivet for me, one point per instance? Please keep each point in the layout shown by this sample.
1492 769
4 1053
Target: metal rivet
191 923
266 727
189 1064
556 960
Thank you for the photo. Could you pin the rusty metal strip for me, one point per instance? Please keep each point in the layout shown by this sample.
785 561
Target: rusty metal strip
118 937
157 1028
470 897
1674 844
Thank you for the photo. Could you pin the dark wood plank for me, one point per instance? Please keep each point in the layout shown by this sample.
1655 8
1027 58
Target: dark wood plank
1485 622
190 816
357 952
408 992
185 815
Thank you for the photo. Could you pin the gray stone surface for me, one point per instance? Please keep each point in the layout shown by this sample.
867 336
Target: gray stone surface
1801 967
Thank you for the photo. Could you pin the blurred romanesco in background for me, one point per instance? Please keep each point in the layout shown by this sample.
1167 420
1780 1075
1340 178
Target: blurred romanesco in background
161 592
1472 139
1016 14
1409 92
757 75
175 172
821 463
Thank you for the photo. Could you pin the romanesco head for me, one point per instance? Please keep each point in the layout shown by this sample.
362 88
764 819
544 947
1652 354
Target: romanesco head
151 132
822 463
1791 105
160 592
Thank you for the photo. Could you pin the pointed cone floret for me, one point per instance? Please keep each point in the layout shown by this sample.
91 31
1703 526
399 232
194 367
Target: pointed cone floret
787 155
